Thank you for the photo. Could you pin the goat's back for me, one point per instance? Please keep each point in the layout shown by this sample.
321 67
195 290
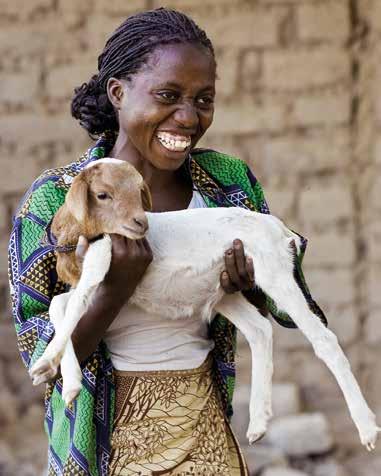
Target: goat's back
188 256
201 231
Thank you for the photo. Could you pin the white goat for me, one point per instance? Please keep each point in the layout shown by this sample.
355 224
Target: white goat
183 280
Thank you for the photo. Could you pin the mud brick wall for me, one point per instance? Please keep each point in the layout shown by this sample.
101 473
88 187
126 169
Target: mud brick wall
298 99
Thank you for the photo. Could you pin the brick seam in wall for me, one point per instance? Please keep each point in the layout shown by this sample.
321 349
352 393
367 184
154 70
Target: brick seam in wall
360 47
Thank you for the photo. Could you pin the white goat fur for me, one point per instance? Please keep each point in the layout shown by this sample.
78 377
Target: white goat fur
184 279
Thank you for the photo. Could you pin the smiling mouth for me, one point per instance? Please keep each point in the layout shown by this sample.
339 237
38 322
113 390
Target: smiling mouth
174 143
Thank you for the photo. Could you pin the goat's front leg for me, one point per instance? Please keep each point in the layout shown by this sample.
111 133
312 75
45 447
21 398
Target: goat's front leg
326 347
95 266
258 332
40 372
71 374
70 369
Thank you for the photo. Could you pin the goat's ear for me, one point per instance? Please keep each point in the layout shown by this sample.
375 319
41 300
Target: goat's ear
146 198
76 198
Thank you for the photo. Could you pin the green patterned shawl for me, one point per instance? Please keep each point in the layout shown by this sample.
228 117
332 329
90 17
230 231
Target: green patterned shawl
79 436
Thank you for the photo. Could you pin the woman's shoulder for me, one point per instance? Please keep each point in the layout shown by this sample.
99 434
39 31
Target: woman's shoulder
224 167
47 192
233 174
216 158
62 176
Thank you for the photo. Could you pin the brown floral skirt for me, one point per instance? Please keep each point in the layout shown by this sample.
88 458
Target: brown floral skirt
172 423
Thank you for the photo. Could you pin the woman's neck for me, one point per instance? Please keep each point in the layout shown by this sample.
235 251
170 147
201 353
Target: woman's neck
155 178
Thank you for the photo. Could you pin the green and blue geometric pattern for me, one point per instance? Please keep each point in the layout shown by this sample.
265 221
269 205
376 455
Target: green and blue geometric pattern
79 436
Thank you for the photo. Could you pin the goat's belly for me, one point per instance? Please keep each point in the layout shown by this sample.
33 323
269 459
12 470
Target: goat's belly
179 290
188 257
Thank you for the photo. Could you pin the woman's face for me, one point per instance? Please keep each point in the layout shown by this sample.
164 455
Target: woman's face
167 106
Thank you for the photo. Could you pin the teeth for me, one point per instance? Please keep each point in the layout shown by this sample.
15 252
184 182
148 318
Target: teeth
172 142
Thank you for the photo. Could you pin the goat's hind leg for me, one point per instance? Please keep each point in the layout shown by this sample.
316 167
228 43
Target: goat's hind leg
327 348
258 332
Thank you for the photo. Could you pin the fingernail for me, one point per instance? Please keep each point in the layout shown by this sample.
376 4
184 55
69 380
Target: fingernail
81 240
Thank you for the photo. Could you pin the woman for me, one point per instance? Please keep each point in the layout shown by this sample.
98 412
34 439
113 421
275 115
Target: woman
154 400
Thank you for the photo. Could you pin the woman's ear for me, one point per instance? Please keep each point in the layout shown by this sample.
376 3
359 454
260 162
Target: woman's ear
146 198
77 198
115 92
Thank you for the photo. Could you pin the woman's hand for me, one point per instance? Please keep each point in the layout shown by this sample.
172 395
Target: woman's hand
239 276
129 260
239 272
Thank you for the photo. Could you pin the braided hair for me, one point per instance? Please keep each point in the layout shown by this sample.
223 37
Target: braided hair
125 53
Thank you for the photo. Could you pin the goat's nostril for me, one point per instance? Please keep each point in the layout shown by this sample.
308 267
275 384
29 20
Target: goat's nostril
140 223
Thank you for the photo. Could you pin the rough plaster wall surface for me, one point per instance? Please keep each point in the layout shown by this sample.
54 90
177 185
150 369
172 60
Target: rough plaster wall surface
298 99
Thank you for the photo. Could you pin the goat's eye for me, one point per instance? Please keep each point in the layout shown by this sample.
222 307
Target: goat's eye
103 196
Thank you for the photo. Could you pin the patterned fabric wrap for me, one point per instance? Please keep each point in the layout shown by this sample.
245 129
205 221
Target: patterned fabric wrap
79 436
170 422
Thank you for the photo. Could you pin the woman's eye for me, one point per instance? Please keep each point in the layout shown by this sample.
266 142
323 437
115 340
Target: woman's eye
205 101
168 95
103 196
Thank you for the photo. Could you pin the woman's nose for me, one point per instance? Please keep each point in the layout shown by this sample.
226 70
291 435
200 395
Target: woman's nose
186 116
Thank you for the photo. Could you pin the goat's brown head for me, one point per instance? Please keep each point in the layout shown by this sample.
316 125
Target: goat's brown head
110 196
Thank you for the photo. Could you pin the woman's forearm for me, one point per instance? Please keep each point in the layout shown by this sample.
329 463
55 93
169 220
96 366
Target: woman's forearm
257 298
103 309
130 259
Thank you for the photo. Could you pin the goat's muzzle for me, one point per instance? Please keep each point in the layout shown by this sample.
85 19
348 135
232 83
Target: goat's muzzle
142 224
136 228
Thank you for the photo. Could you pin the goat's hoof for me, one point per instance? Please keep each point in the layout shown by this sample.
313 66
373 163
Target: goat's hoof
254 437
44 378
69 394
256 432
369 435
43 370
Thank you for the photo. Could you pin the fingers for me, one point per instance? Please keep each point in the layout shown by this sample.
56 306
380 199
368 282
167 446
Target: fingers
146 246
123 247
227 284
239 273
231 268
240 260
119 244
81 249
250 270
